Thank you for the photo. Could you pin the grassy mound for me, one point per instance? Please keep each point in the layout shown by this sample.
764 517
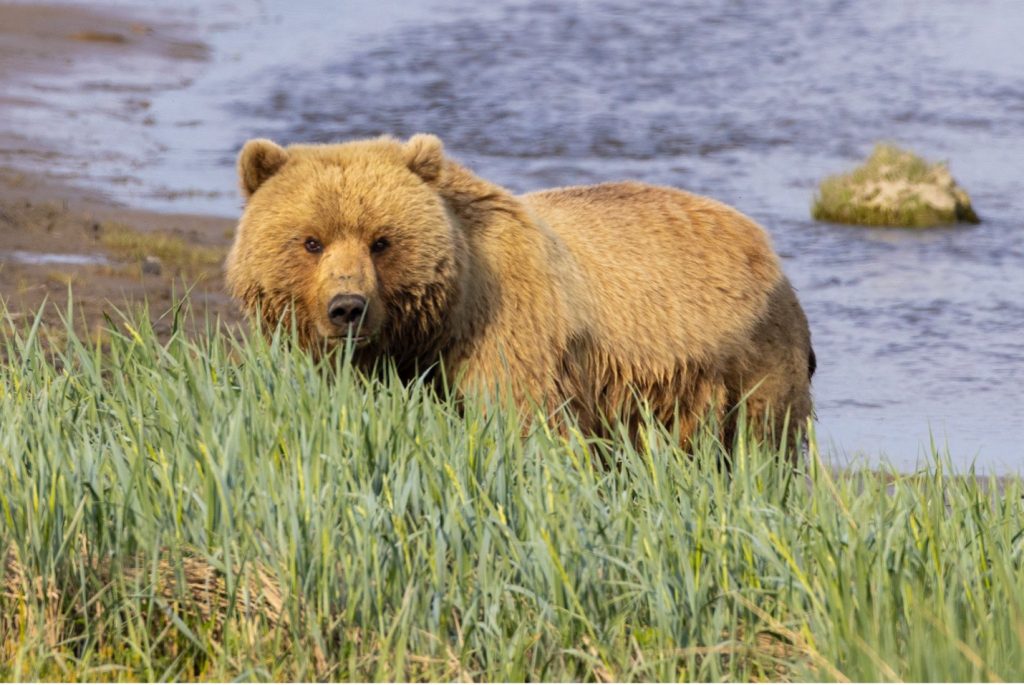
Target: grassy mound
225 508
894 187
195 262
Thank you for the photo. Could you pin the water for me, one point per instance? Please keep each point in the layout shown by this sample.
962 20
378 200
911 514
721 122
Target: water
44 258
919 335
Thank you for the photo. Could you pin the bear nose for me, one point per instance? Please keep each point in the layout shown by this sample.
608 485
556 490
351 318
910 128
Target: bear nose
344 310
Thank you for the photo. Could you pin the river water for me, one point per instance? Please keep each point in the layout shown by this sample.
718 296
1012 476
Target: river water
919 334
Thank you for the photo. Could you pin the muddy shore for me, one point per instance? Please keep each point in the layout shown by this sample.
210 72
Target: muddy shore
53 232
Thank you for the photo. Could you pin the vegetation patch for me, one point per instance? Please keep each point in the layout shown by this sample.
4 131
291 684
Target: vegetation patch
194 261
225 508
894 187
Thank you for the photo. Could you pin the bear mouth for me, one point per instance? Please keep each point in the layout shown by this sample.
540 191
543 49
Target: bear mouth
357 340
337 336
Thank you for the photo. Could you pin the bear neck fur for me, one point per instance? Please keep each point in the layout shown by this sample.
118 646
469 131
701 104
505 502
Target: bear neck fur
444 320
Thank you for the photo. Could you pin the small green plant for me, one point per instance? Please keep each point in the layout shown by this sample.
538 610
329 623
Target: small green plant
225 507
894 187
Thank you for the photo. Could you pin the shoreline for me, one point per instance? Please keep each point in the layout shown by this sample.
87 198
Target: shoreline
57 235
57 241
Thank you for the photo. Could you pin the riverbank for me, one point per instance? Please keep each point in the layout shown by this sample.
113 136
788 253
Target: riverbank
56 236
54 242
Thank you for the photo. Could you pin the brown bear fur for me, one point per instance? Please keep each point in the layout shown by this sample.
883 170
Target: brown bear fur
584 297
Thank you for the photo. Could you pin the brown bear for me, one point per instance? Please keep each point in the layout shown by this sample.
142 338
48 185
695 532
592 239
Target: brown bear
595 299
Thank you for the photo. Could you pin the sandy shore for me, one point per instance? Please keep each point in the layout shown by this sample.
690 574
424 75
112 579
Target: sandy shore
53 233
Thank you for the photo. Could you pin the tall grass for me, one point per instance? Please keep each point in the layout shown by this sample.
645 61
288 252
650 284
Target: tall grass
224 507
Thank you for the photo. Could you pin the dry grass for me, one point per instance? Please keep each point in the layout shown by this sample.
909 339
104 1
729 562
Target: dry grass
64 278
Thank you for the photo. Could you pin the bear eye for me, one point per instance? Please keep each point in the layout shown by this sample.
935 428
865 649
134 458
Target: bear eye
314 246
379 245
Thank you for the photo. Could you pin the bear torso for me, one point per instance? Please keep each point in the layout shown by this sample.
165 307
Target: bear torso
592 298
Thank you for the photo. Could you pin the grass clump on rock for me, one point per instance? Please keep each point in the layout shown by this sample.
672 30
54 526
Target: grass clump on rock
894 187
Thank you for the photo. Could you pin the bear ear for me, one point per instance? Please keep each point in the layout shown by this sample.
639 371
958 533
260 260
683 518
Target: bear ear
424 154
259 160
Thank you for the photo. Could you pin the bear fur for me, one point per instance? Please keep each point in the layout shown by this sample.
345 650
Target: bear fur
592 298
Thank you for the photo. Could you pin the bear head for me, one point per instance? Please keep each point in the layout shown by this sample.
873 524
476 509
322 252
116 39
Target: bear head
352 240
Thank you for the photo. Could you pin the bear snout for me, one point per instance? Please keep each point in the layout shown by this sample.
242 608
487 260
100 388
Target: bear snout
347 310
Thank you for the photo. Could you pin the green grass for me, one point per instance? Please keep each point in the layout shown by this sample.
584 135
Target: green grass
224 508
894 187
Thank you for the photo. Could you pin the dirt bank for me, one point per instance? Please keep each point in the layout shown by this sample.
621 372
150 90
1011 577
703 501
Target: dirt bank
112 258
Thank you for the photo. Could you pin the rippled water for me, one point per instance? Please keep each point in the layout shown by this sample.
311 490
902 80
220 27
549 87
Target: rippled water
917 334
